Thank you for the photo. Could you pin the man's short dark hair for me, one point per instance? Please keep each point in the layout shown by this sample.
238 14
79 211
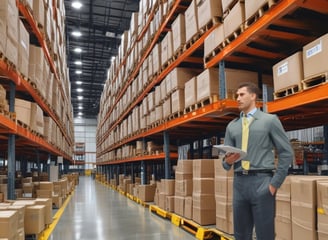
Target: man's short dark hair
251 88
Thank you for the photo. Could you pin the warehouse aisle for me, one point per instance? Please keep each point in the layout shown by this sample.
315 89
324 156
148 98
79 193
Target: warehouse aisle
100 213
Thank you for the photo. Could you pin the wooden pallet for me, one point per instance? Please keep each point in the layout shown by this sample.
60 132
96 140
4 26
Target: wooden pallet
215 52
315 80
208 100
235 34
212 22
190 109
192 40
260 12
287 91
175 115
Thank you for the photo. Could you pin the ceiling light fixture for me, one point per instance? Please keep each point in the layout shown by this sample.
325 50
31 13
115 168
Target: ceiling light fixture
76 5
78 71
78 62
79 97
78 82
80 113
77 34
80 107
79 90
78 50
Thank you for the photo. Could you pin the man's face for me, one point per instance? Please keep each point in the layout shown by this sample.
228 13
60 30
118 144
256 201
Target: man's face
245 99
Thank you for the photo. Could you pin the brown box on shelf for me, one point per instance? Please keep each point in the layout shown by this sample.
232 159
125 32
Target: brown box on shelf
207 10
214 39
1 197
3 33
179 32
12 51
203 201
314 56
207 84
43 193
23 49
283 223
39 12
159 112
34 219
191 89
203 216
203 185
162 200
188 208
8 224
20 211
167 108
234 20
35 64
179 205
203 168
23 111
47 203
185 166
251 7
178 100
226 4
167 48
57 201
288 72
191 20
178 77
9 16
147 192
157 57
37 122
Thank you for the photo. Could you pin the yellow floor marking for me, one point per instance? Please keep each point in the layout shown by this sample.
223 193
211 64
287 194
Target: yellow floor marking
47 232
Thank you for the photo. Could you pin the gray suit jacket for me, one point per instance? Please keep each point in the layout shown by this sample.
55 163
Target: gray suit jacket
266 133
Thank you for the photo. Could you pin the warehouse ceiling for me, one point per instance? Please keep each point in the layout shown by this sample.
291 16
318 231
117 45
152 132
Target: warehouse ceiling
101 23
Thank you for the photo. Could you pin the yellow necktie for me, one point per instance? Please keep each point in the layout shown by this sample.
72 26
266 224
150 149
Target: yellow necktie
244 141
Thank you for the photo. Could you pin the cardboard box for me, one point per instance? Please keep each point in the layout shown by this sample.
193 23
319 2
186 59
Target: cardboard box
283 229
39 12
182 176
322 209
178 77
157 57
184 187
188 208
203 168
185 166
191 20
214 39
179 32
288 72
314 56
223 188
20 214
164 93
207 10
9 17
204 201
166 108
179 205
178 100
251 7
37 122
57 201
162 200
170 203
224 217
23 111
191 89
166 48
203 185
8 224
234 19
147 192
283 193
3 32
227 4
23 49
203 216
47 203
169 186
12 51
207 84
34 219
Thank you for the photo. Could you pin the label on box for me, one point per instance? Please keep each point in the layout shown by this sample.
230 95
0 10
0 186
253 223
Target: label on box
314 50
282 69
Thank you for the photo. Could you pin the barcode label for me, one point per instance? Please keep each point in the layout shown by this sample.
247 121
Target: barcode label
314 50
282 69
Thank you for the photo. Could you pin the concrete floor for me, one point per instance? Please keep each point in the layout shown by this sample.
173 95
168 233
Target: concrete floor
97 212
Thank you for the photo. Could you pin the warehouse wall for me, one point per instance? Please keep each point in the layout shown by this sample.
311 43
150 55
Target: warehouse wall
85 131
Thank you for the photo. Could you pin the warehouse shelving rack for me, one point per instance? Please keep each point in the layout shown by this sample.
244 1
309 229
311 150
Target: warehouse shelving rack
18 135
287 15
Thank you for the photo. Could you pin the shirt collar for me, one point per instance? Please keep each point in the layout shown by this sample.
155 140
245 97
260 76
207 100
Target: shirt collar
250 113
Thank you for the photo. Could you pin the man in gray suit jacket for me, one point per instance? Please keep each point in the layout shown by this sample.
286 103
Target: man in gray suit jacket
256 176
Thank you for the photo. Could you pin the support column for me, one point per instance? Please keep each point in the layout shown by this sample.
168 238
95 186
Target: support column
222 82
325 138
132 173
167 155
11 148
143 172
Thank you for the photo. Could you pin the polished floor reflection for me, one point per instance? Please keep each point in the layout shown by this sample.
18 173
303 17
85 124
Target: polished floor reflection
100 213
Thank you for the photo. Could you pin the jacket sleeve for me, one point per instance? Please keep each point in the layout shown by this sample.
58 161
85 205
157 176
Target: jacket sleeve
227 141
284 151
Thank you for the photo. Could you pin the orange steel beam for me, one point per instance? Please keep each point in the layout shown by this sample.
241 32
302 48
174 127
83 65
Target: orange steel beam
307 96
274 13
139 158
138 66
10 73
8 124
